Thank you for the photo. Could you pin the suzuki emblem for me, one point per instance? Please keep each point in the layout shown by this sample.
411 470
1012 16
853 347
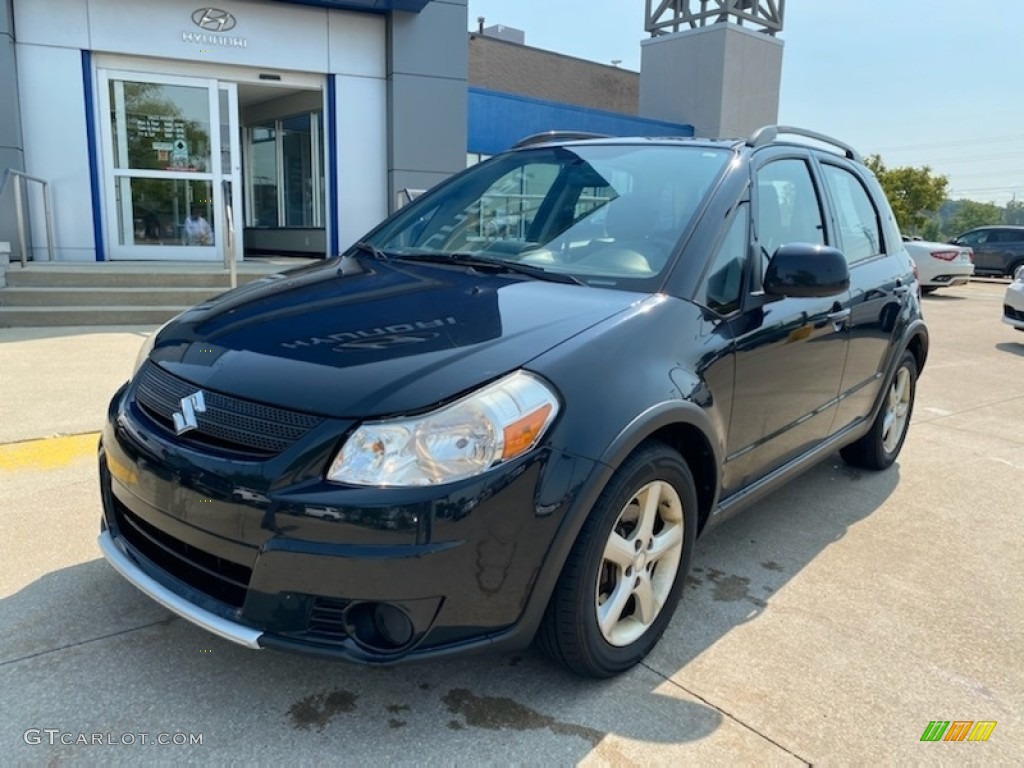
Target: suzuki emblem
190 406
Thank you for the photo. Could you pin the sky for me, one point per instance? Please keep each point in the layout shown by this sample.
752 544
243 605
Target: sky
919 82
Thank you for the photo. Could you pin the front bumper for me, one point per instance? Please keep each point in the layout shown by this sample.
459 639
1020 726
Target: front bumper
264 553
1013 305
123 563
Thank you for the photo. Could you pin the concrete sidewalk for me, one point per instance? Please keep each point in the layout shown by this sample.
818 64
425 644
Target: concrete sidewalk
828 624
58 381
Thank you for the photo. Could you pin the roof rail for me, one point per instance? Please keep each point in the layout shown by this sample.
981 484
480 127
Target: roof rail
769 133
541 138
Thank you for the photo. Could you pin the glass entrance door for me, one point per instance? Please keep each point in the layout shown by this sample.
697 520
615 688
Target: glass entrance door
172 162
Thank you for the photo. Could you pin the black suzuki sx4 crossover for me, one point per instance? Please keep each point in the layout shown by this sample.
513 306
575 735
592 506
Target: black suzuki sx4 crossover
510 410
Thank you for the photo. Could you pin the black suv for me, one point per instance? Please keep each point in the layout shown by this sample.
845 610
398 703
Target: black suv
997 250
510 410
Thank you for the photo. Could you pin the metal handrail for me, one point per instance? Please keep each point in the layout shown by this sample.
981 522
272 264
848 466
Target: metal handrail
19 209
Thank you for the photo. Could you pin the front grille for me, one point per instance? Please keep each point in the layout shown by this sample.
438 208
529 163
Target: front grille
325 620
228 422
1013 314
221 579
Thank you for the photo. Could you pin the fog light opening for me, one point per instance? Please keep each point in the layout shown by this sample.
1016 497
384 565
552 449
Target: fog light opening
379 627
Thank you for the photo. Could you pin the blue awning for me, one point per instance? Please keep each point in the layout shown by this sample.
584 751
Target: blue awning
373 6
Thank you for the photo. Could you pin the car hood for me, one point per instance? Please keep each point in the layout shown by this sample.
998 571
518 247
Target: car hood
355 339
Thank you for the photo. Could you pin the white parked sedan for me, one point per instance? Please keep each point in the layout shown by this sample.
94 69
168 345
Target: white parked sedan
1013 302
941 264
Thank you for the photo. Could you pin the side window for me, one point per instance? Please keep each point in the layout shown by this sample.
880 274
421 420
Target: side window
1009 236
860 236
972 238
788 208
723 284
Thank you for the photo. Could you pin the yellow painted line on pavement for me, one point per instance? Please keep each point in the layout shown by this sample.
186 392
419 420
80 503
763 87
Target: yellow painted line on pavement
48 453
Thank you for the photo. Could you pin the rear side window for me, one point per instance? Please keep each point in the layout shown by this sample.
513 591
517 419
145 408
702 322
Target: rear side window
1009 236
860 235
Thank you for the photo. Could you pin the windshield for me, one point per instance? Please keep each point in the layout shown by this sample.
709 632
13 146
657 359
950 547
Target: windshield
608 215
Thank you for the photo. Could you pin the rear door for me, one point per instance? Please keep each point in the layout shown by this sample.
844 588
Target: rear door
986 257
790 352
881 281
1009 247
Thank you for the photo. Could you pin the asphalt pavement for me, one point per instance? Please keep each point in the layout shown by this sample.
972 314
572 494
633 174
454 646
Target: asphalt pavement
828 624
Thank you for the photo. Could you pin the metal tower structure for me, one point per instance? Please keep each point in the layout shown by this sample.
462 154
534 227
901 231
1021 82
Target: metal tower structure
665 16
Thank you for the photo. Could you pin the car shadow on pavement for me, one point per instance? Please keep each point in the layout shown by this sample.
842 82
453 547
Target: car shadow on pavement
1013 347
936 296
85 651
741 566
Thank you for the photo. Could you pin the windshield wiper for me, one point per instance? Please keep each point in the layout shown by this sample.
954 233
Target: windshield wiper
495 265
373 250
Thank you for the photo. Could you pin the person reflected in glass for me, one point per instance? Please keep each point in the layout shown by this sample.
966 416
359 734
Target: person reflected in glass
197 229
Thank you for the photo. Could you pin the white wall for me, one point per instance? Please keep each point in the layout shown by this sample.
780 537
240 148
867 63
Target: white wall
56 147
722 79
279 38
362 156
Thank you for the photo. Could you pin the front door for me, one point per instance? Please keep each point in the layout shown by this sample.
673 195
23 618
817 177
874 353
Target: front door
789 353
173 167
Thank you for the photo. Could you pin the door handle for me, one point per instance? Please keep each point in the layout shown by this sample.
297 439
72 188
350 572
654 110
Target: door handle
839 318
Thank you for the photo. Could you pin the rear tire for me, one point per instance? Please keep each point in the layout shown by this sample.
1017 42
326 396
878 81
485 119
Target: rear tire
621 582
1014 267
879 448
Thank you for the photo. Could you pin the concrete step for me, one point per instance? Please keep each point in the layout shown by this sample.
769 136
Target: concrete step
102 297
27 317
100 277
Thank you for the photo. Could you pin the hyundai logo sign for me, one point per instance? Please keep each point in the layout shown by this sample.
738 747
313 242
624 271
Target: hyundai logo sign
213 19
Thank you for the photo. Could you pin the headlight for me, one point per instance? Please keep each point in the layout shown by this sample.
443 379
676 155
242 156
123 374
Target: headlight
503 420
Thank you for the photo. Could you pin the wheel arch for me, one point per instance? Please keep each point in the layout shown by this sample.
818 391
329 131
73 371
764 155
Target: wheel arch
918 346
688 430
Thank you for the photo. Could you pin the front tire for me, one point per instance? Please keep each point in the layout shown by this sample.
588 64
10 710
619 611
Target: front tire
879 448
622 580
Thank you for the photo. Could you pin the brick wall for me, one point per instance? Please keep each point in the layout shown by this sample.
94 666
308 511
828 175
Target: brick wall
511 68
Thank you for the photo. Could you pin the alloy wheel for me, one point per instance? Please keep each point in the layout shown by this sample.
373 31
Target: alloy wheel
897 406
640 562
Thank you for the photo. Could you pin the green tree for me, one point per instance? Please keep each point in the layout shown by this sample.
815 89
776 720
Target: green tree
974 214
932 231
915 194
1014 213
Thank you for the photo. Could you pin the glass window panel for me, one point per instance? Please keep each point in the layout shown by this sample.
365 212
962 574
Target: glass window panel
263 156
165 212
297 146
165 127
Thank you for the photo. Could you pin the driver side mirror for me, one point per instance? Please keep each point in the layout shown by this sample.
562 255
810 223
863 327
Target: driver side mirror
804 270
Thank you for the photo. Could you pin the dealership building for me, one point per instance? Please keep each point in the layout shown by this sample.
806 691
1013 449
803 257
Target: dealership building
167 131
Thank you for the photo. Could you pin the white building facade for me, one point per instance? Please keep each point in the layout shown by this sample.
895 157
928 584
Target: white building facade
172 131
